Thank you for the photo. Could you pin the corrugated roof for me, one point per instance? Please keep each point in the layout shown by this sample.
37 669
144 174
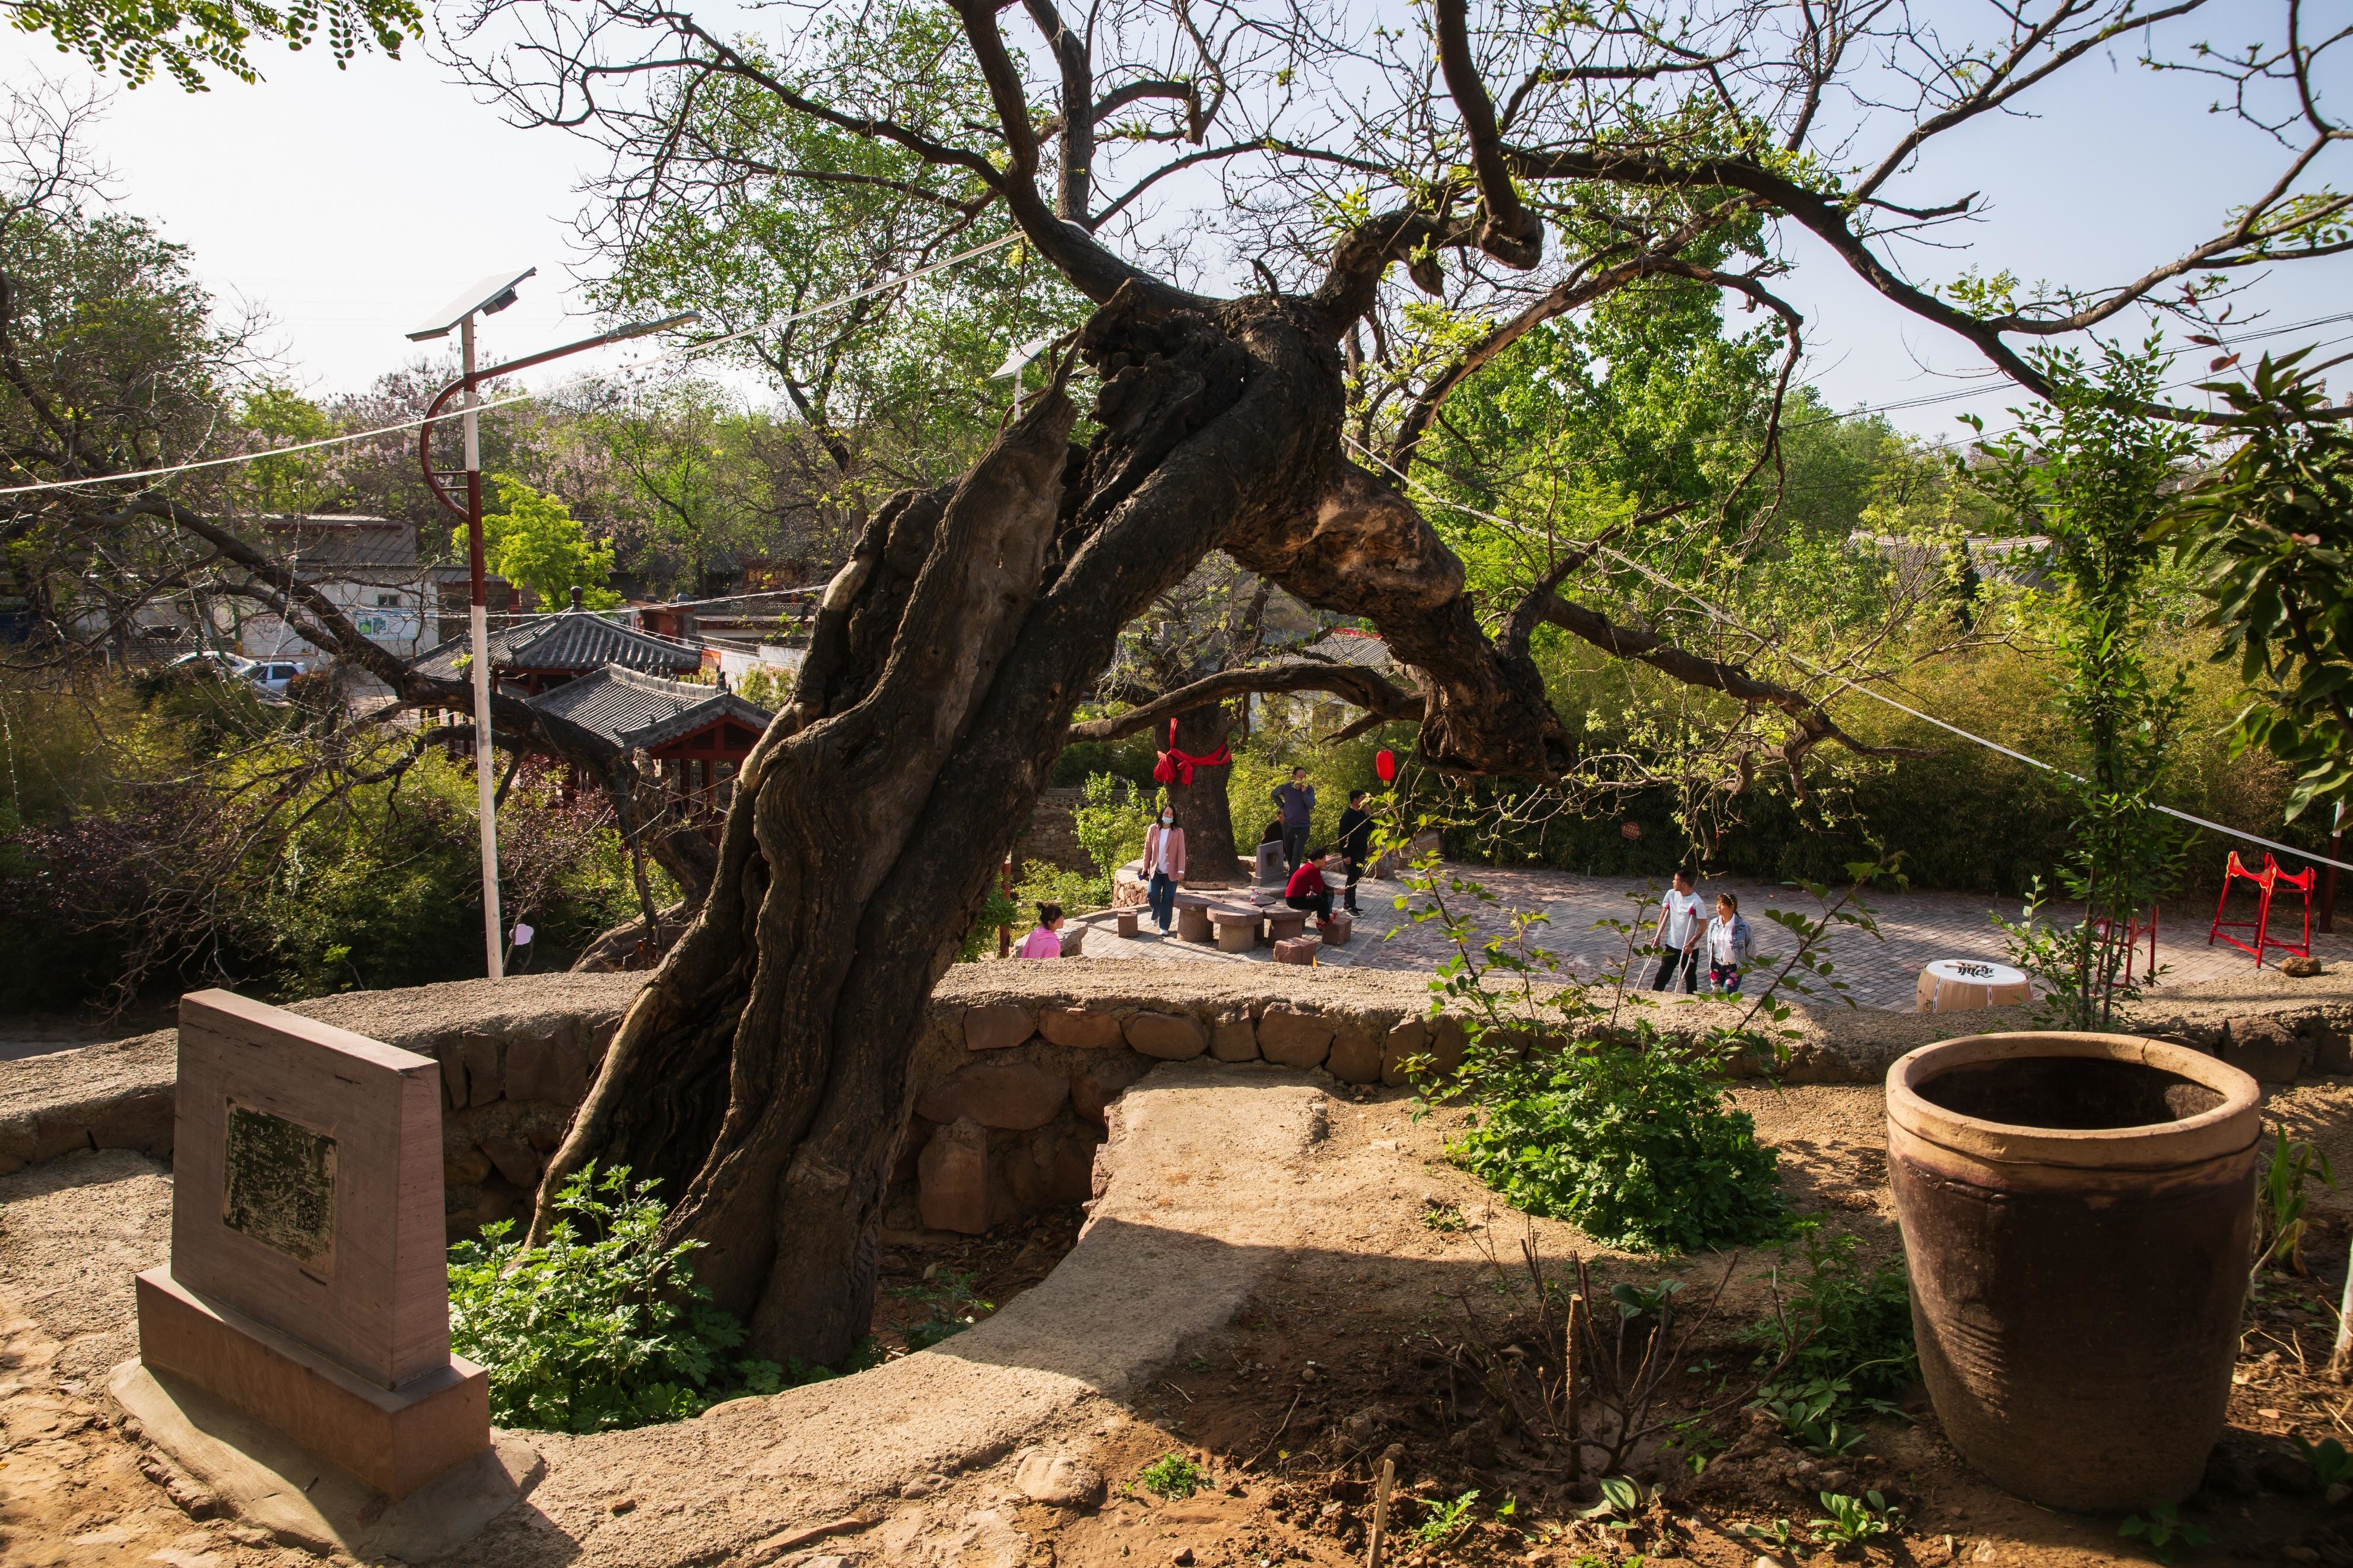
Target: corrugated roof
320 541
633 709
570 639
1347 644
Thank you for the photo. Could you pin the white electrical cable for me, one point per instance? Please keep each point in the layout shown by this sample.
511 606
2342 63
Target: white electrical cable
676 351
249 456
700 344
703 345
1846 684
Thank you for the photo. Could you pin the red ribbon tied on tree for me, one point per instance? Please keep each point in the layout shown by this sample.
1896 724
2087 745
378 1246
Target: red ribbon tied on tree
1176 767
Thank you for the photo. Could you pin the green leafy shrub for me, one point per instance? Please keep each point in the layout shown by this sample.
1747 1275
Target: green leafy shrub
601 1328
1638 1145
953 1306
1849 1323
1110 824
999 909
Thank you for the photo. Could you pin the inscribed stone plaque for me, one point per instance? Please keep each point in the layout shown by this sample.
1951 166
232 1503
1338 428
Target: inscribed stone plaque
307 1185
278 1185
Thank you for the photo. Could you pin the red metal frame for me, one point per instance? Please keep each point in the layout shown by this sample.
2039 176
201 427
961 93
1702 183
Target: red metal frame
2134 931
2268 883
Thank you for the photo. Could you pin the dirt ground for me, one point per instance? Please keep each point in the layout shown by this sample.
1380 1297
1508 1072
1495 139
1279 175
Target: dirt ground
1355 1349
1353 1355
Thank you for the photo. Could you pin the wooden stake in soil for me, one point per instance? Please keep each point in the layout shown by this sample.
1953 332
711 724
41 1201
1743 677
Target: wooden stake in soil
2340 1357
1381 1510
1569 1390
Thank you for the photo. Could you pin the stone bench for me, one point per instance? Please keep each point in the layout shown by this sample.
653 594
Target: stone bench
1297 950
1337 930
1237 929
1192 918
1285 924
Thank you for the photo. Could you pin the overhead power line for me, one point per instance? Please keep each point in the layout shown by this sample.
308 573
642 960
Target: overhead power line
676 351
703 345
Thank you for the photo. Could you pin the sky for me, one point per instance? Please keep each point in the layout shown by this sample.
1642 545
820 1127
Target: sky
348 204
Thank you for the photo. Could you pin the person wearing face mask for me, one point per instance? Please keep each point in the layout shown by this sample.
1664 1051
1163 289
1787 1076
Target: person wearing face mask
1164 867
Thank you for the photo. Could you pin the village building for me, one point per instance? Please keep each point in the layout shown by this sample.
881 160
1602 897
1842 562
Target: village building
695 736
366 566
452 594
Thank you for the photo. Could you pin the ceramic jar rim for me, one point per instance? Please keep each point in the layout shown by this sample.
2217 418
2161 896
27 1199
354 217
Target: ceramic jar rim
2229 1128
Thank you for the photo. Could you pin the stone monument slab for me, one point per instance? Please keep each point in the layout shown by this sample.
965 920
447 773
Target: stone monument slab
309 1282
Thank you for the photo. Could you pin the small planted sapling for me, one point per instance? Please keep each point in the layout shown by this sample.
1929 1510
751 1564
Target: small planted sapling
1852 1522
1781 1537
1809 1413
954 1308
2163 1530
1172 1478
2281 1201
1445 1520
2332 1465
1624 1501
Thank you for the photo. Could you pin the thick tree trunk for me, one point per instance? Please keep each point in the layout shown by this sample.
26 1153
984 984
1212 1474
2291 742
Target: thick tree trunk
1202 809
761 1075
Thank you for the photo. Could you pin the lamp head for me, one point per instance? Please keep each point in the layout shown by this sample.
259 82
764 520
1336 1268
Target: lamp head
487 297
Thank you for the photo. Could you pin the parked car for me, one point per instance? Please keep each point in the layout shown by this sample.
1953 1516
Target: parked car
218 662
273 675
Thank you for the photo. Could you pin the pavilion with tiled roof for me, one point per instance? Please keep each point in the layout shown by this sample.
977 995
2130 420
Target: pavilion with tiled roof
544 652
696 735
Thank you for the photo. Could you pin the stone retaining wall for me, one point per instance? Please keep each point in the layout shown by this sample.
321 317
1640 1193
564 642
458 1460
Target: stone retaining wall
1013 1079
516 1057
1052 834
1018 1062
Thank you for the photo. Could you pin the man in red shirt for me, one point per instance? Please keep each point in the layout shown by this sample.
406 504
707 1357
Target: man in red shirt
1308 888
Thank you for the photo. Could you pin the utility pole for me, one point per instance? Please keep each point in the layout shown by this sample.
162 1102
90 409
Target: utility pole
477 617
489 296
2329 872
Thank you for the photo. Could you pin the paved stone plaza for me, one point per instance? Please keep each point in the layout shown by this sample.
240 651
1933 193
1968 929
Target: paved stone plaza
1914 928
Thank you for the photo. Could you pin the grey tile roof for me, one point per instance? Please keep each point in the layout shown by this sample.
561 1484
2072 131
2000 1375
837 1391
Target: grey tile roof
633 709
1346 646
323 543
570 639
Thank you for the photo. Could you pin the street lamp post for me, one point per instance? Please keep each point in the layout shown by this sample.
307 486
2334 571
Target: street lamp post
489 296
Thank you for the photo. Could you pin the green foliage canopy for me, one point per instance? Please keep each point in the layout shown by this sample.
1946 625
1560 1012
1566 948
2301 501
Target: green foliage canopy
535 542
2271 528
133 37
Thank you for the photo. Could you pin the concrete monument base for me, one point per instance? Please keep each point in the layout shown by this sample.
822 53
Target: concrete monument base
392 1440
268 1481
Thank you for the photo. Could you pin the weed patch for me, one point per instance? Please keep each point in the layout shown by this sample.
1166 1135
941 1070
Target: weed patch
602 1327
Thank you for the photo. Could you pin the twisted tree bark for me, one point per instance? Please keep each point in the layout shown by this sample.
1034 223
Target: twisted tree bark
761 1075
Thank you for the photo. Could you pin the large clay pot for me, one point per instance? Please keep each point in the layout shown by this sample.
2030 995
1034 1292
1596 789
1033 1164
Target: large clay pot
2079 1216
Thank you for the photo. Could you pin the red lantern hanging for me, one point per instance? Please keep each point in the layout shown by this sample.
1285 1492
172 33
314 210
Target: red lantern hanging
1385 765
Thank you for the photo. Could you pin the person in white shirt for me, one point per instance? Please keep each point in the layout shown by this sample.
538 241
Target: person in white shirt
1682 928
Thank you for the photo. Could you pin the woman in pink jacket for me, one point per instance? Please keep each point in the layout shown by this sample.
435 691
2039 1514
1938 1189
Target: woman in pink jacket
1164 866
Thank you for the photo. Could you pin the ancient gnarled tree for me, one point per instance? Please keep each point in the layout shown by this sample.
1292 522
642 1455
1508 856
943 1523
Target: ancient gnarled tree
1509 164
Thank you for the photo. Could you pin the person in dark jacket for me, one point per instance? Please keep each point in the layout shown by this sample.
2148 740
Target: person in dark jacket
1308 888
1296 803
1356 841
